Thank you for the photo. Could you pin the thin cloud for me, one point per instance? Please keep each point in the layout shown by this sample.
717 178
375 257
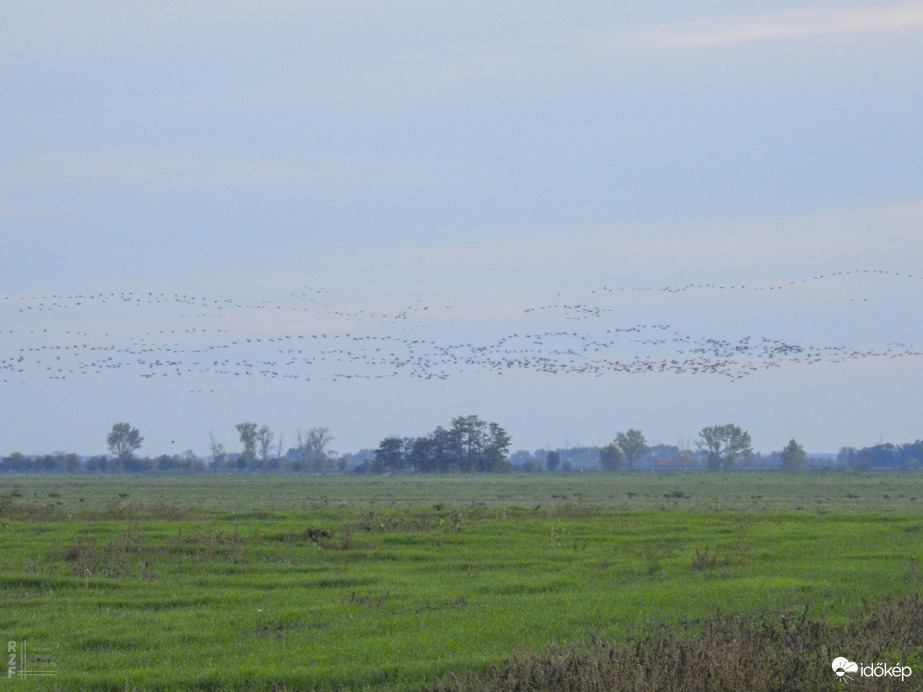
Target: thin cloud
793 25
568 51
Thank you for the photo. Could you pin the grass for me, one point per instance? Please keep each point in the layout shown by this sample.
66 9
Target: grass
88 496
230 583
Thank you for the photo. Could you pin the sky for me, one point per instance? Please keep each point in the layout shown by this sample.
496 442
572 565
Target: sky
571 219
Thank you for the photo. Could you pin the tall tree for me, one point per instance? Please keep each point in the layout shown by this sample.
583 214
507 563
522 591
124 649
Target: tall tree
280 445
552 460
496 449
793 457
389 457
421 455
442 450
248 436
470 445
476 445
611 457
264 442
467 439
217 450
312 449
633 445
124 441
723 445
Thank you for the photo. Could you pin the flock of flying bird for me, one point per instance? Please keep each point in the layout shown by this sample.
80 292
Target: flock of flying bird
301 336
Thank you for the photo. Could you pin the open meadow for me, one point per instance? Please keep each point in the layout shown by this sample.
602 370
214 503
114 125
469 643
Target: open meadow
347 582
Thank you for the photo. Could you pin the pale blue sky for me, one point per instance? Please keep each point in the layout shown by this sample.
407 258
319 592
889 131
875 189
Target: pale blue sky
329 164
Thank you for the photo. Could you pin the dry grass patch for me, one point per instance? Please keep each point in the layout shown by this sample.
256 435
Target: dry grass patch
778 652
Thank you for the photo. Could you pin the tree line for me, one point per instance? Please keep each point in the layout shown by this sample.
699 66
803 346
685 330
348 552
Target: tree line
467 445
883 456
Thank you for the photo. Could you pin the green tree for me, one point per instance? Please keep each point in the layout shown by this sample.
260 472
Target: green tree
441 449
723 445
611 457
633 446
389 457
248 439
553 460
475 445
124 441
793 457
467 442
264 442
470 445
15 462
313 454
496 449
421 454
217 450
846 456
97 463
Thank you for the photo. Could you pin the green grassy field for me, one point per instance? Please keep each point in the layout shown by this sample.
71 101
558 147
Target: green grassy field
216 583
